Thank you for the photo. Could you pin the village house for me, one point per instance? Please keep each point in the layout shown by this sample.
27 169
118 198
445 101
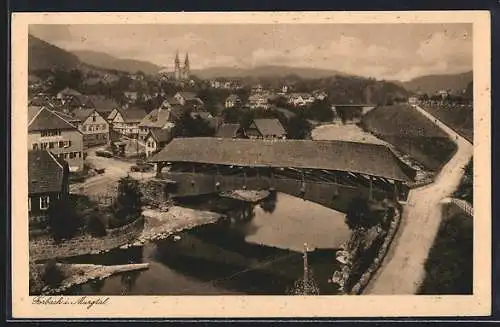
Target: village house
230 131
189 99
162 118
67 94
258 101
284 89
103 105
131 96
232 101
413 100
93 125
126 121
296 100
257 89
79 102
156 139
47 182
320 95
48 130
266 129
443 93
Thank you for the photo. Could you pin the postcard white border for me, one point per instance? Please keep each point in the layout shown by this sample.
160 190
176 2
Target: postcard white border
259 306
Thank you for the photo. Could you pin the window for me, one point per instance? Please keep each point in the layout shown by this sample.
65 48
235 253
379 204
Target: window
29 204
44 145
44 202
51 145
65 156
79 154
71 155
93 118
61 144
35 146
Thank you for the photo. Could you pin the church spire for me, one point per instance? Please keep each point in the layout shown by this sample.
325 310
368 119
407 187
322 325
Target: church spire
186 67
177 65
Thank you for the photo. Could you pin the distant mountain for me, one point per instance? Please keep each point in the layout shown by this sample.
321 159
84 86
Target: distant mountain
106 61
43 55
433 83
263 71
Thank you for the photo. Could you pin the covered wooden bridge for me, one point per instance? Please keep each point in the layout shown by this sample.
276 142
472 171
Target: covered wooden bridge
327 172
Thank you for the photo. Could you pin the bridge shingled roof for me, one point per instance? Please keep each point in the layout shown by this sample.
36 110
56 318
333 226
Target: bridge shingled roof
370 159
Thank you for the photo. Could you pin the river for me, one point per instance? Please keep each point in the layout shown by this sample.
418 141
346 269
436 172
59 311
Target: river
256 250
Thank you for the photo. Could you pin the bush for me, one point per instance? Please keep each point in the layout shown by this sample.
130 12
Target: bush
359 215
128 205
63 219
95 225
52 274
449 267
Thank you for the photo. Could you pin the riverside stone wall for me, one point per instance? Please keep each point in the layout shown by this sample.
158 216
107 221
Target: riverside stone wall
370 272
43 246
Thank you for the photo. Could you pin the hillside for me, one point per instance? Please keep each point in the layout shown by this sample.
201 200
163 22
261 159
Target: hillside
43 55
432 83
263 71
412 133
106 61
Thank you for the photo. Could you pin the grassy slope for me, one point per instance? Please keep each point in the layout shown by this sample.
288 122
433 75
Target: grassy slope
449 265
461 119
412 133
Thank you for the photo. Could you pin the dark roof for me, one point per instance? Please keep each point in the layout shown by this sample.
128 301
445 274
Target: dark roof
271 126
365 158
227 130
188 95
103 104
233 97
173 101
47 119
159 117
68 117
45 172
82 114
160 135
32 111
133 115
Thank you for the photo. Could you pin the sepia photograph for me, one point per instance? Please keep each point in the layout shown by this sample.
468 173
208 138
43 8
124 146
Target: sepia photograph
286 159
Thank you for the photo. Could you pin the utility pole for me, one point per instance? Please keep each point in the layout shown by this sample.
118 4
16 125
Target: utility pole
306 267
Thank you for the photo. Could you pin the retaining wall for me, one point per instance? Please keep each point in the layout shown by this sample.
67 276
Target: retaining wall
382 252
43 246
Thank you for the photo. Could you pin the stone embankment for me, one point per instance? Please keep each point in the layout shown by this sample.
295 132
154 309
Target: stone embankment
77 274
43 246
377 261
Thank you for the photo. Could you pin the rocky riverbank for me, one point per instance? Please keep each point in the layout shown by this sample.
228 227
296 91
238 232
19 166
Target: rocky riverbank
160 224
75 274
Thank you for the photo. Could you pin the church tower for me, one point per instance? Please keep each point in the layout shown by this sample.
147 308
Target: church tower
186 71
177 64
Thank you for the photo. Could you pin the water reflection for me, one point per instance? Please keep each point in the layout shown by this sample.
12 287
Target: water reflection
256 250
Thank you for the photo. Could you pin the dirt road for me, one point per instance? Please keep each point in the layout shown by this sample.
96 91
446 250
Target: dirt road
403 268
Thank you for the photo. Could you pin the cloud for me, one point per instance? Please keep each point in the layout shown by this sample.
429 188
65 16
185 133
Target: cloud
440 45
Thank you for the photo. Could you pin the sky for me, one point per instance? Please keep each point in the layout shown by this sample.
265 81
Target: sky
383 51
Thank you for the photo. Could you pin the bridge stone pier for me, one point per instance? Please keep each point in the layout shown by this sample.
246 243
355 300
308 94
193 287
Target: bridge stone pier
329 173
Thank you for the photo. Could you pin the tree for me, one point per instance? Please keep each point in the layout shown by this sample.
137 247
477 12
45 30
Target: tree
187 126
64 220
320 110
52 274
95 225
128 204
359 215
